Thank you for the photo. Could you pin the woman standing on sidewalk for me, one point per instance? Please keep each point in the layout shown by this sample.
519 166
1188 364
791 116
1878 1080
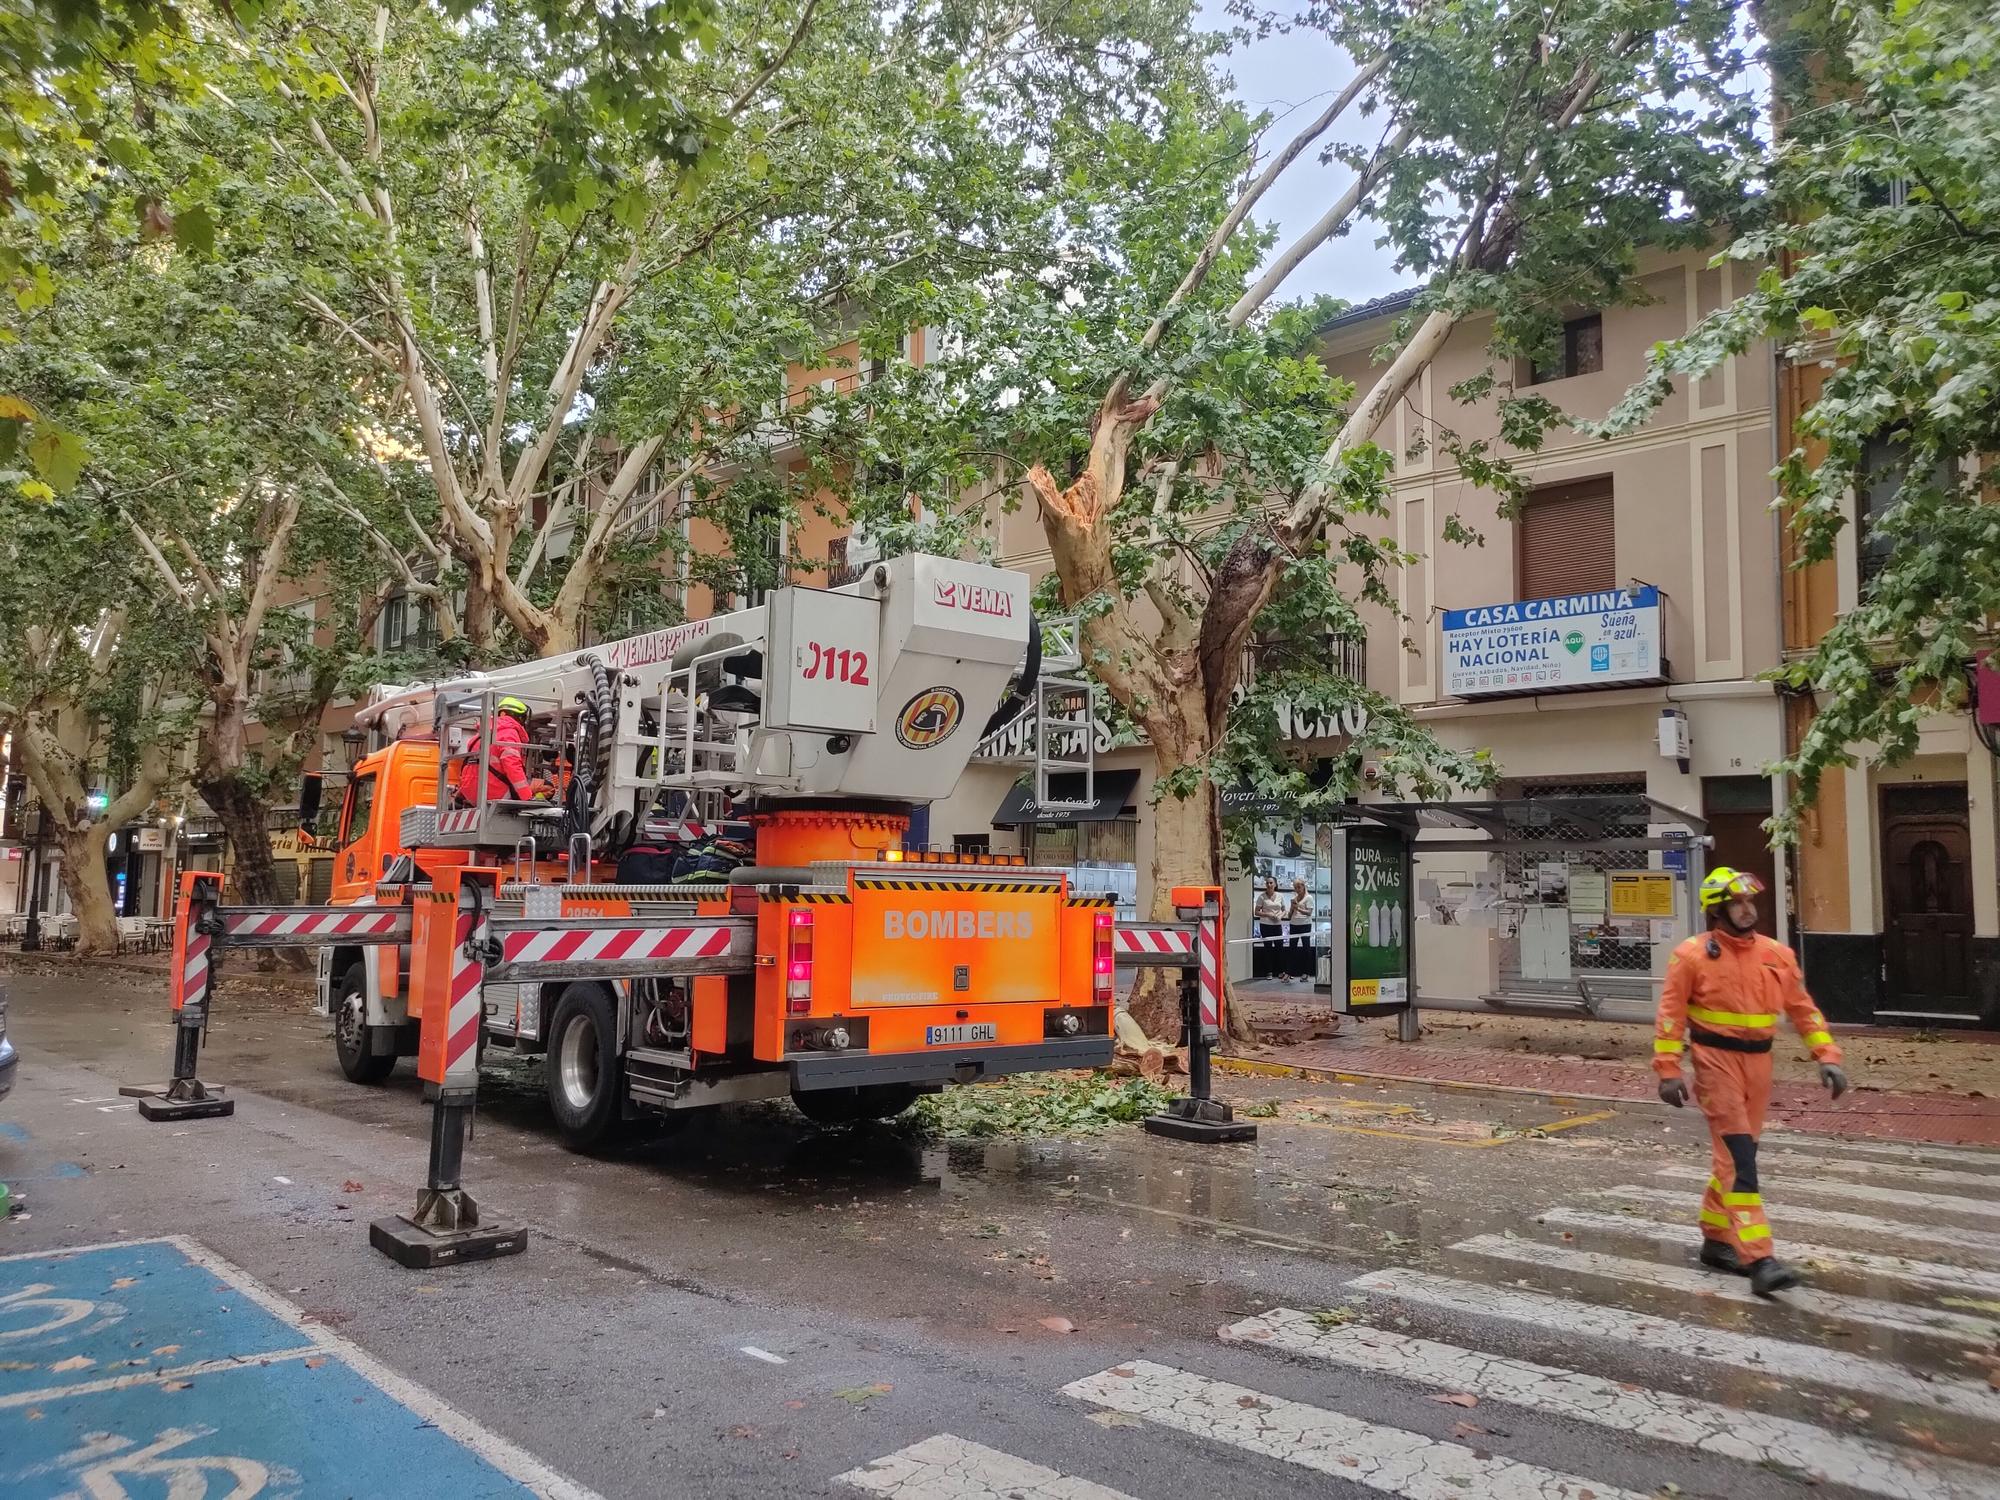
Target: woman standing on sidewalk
1269 953
1299 917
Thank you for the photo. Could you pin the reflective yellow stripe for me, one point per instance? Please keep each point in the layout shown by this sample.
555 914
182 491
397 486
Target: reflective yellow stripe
1720 1221
1715 1184
1819 1039
1661 1045
1743 1200
1754 1232
1729 1017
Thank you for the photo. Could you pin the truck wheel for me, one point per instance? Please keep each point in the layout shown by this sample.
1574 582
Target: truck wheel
872 1101
583 1073
352 1034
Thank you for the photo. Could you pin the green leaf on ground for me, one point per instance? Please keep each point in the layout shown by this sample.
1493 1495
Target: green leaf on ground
1058 1104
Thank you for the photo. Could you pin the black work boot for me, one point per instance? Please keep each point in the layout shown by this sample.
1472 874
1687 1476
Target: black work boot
1770 1276
1718 1256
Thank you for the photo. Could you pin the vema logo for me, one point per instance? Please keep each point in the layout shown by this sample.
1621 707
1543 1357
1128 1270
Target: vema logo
976 599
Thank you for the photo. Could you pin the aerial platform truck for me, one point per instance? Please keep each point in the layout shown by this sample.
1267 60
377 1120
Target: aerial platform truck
837 963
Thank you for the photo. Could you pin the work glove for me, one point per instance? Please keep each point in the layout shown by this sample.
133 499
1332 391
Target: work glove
1674 1091
1834 1077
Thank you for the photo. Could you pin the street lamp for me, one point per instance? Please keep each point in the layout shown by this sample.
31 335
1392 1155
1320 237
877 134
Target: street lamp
31 936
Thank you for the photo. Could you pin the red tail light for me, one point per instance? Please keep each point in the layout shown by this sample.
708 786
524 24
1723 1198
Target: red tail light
1103 962
798 961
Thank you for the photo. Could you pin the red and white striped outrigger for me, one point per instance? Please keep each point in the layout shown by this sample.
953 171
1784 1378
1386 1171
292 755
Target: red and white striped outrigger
203 927
1194 946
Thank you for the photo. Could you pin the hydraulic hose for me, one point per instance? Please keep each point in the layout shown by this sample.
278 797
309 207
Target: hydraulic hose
1022 693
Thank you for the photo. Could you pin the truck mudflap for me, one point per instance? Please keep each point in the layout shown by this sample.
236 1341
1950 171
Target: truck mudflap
941 1065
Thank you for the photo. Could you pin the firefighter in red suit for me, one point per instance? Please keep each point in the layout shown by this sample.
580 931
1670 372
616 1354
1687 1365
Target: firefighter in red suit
506 772
1721 1003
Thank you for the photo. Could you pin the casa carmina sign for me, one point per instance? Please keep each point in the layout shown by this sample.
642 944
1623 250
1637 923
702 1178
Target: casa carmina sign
1600 639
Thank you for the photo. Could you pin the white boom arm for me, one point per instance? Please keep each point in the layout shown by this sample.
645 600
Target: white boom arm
879 689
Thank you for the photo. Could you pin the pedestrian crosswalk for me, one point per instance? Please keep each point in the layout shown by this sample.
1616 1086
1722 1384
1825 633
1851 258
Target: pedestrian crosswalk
1552 1327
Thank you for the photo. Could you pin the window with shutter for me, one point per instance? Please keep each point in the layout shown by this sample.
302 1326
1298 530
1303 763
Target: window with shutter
1565 541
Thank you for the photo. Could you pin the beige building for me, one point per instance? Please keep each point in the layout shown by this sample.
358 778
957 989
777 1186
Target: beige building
1667 532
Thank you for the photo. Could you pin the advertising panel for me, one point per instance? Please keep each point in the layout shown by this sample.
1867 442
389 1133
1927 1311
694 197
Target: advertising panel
1541 645
1372 920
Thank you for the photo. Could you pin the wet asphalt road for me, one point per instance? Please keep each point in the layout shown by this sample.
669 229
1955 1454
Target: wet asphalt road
756 1307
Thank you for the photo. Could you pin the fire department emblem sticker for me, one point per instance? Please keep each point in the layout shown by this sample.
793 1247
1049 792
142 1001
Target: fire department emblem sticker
929 718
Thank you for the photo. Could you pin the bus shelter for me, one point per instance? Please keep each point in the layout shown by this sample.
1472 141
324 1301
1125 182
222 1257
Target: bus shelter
1562 901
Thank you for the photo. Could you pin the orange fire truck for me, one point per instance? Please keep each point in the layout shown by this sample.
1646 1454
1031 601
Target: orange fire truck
834 963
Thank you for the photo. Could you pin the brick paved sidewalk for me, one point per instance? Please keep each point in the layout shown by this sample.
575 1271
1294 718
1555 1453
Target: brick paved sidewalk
1943 1118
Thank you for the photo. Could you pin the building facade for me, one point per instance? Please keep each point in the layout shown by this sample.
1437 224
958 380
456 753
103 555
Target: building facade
1668 531
1897 873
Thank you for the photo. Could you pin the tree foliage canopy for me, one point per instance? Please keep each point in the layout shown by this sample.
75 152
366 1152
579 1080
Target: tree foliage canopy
1880 262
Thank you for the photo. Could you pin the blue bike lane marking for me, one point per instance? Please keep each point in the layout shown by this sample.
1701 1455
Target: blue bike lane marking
153 1368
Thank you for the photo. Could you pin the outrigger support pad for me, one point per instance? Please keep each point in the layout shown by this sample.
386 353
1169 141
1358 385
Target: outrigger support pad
184 1097
1197 1116
444 1229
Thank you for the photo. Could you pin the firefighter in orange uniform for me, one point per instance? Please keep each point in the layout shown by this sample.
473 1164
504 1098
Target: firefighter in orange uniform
1721 1002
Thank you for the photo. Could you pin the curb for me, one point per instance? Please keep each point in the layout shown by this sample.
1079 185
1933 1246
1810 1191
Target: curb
1257 1067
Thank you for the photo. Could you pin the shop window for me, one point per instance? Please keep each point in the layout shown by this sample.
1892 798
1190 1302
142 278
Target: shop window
972 843
1579 351
1565 541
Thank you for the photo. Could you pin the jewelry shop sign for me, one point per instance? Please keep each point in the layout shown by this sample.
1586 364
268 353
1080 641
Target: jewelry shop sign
1610 637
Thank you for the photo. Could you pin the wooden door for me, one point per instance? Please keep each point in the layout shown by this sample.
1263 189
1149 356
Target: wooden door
1735 808
1927 901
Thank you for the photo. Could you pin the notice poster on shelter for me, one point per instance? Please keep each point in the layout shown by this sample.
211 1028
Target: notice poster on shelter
1587 894
1642 893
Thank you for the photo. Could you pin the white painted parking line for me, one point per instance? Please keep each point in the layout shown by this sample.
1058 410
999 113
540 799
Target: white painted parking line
1801 1164
1862 1192
1777 1443
1382 1458
949 1468
1825 1146
1720 1346
764 1354
1889 1267
1872 1311
1979 1242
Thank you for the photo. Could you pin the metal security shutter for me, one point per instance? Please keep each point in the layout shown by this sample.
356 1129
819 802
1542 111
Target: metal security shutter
1566 541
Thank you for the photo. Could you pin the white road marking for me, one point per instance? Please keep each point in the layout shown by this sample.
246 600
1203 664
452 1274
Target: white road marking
285 1180
764 1354
1889 1267
950 1468
1980 1242
1872 1311
1861 1192
1823 1145
1382 1458
152 1377
1721 1346
1803 1164
1777 1442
